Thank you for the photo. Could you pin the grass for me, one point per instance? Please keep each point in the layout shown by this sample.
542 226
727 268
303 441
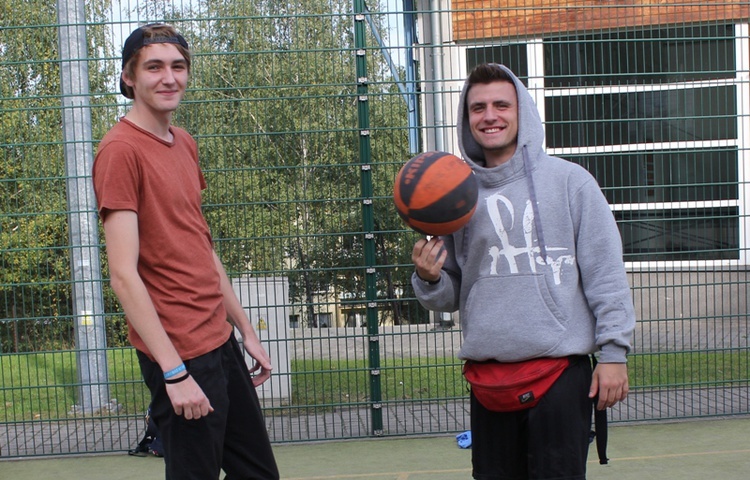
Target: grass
689 369
43 386
316 382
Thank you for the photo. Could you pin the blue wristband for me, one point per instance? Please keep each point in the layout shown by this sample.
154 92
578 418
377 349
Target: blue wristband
175 371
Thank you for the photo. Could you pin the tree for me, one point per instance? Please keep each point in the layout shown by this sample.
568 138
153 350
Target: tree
35 267
273 104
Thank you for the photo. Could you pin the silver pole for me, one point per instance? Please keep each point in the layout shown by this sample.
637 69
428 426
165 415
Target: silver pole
88 303
438 74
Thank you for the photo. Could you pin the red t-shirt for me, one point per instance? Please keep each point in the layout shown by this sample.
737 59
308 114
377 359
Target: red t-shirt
162 183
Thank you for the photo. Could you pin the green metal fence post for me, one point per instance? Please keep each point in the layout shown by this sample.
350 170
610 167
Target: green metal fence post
368 221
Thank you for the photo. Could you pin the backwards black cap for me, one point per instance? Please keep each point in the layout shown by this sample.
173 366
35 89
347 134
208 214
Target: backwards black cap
136 40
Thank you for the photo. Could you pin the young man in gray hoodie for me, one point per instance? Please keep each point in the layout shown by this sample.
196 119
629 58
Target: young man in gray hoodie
536 273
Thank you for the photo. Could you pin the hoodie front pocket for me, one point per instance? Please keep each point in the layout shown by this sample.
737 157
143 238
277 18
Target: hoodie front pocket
511 318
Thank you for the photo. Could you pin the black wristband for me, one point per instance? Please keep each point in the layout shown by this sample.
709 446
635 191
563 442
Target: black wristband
172 381
429 282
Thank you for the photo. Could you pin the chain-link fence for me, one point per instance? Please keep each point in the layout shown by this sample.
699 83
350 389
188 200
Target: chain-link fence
304 111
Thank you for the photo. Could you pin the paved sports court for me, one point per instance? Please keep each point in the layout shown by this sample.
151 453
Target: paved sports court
698 449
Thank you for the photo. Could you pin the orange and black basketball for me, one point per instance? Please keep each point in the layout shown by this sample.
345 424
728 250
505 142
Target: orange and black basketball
435 193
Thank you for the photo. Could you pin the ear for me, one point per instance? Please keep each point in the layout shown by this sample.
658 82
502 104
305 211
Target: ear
126 79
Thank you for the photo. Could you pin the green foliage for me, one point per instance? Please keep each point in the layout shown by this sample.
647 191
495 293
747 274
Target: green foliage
273 104
35 278
33 231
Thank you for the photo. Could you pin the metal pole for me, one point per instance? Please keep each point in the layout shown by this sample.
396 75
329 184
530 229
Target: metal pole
437 72
88 304
368 217
411 77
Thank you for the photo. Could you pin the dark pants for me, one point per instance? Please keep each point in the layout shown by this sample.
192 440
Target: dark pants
233 437
548 441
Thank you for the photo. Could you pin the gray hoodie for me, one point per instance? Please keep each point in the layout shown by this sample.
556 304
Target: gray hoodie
534 282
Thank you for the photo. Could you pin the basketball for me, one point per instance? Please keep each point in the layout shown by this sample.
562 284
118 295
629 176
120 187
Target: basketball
435 193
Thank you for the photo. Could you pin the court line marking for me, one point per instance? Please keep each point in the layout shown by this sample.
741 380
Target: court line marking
676 455
396 475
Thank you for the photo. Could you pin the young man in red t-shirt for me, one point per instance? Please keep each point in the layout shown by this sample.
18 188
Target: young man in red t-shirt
172 286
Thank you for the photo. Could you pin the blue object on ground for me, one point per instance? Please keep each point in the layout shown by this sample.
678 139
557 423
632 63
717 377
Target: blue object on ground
464 439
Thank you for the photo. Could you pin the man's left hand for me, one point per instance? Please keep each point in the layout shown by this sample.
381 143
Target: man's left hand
262 360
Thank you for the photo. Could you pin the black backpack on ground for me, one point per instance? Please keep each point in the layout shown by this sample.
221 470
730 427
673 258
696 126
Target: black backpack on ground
151 442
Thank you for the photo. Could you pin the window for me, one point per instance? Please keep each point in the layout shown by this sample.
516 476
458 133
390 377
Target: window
648 56
657 116
323 320
512 56
356 318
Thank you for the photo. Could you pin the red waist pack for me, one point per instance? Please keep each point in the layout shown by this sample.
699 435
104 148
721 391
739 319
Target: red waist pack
508 387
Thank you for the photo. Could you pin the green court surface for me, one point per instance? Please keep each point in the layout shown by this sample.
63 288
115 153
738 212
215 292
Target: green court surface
700 450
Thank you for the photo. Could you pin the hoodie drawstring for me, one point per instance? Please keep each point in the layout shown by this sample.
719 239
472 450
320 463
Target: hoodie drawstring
534 206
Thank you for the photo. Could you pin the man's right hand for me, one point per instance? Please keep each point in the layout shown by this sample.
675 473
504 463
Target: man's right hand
188 399
428 257
122 238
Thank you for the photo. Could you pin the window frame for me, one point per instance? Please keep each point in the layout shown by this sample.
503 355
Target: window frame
741 82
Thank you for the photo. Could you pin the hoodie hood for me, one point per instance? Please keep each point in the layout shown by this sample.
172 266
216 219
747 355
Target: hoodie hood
530 136
524 160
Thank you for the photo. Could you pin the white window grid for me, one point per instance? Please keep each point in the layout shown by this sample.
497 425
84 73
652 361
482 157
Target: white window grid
741 81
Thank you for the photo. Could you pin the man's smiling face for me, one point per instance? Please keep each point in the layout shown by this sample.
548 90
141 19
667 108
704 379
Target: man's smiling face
161 77
493 119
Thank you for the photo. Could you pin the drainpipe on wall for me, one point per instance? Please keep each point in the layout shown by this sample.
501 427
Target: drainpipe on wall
437 74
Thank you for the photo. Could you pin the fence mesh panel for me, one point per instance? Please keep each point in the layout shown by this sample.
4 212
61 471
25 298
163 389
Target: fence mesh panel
304 111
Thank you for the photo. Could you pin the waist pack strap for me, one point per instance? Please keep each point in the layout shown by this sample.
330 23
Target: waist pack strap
600 427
